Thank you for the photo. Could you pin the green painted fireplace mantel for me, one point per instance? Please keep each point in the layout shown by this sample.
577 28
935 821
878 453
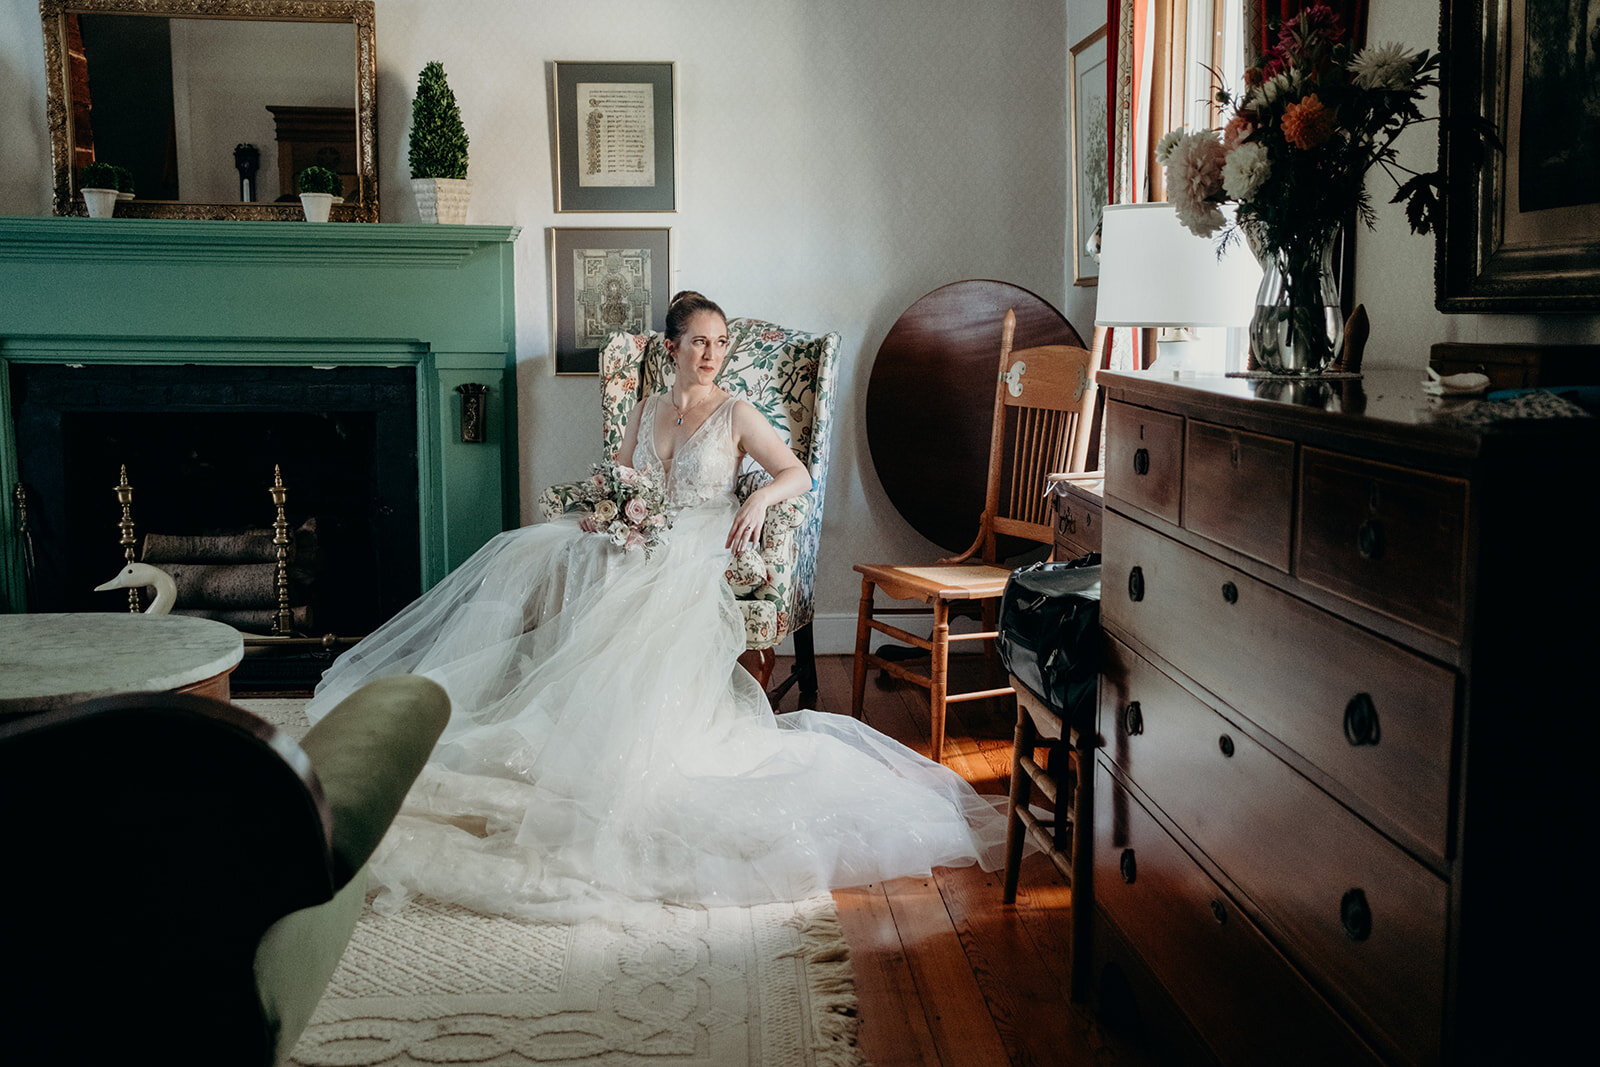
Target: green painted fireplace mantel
155 291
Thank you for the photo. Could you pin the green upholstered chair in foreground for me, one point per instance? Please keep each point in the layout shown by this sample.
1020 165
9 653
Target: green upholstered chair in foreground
182 877
788 375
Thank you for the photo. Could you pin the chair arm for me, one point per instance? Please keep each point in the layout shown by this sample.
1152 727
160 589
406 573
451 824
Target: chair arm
367 752
765 575
559 499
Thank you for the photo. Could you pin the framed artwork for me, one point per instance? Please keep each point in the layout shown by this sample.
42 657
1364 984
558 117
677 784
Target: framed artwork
604 282
616 142
1520 228
1090 180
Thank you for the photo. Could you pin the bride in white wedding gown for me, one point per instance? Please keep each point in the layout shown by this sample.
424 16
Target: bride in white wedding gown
604 748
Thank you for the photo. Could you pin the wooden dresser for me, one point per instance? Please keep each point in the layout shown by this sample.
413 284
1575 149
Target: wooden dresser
1346 722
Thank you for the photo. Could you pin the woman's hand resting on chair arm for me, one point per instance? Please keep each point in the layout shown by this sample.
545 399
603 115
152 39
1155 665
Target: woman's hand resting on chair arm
755 437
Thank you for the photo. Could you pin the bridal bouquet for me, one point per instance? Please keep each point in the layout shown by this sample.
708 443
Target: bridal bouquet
1298 143
625 504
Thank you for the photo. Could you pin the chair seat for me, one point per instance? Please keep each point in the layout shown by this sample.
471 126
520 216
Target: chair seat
951 581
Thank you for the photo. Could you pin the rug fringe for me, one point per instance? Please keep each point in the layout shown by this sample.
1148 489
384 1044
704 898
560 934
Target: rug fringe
832 984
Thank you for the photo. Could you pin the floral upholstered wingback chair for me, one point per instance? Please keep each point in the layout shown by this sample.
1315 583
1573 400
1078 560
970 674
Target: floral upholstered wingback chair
788 375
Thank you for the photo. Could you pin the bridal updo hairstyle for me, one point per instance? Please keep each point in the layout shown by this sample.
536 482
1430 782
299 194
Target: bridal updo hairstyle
685 306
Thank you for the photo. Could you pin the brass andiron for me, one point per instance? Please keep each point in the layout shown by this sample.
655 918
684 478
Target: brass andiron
124 493
30 562
283 624
474 416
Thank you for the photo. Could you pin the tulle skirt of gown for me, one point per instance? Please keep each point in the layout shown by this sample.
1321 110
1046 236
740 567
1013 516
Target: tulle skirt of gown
605 748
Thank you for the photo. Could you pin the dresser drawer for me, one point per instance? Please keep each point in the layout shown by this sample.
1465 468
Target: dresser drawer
1391 539
1303 858
1238 490
1370 715
1144 459
1246 1001
1078 520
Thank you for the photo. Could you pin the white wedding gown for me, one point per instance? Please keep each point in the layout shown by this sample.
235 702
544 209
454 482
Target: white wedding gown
605 748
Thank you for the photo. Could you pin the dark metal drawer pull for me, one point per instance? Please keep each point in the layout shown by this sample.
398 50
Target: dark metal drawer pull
1133 719
1230 592
1219 912
1369 539
1130 867
1141 462
1136 584
1225 743
1355 915
1361 720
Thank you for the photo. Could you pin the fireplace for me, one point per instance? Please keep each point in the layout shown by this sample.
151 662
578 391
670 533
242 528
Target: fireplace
202 354
200 445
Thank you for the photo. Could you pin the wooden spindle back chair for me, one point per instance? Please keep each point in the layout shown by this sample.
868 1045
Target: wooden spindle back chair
1043 408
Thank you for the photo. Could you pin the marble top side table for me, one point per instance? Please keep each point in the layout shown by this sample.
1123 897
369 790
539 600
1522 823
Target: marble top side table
49 661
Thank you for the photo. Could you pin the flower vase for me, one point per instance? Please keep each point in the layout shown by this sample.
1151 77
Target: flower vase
1297 326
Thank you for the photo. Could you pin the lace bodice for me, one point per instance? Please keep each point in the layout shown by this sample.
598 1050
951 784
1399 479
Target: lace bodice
705 465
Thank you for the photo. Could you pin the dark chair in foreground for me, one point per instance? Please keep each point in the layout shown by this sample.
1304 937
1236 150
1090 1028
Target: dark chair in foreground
182 877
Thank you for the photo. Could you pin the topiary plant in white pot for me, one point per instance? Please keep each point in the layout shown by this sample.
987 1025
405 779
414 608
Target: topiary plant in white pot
319 187
98 183
438 150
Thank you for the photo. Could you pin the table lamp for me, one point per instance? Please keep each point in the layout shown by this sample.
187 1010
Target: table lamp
1155 273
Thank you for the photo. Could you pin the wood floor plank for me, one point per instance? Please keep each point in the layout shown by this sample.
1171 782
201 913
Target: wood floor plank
953 1003
1025 996
896 1030
963 980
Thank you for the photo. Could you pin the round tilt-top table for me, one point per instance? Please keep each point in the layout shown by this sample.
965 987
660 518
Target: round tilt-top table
49 661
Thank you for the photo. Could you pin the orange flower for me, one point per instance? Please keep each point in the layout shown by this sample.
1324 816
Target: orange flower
1239 127
1306 124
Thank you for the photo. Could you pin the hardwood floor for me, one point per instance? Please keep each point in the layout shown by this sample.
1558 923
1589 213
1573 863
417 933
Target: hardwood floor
945 973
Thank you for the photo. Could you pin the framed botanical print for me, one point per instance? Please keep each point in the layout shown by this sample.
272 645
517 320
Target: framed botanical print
1521 227
616 139
1090 178
605 281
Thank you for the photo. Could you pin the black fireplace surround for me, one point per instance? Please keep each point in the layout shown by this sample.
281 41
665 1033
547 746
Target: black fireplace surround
200 444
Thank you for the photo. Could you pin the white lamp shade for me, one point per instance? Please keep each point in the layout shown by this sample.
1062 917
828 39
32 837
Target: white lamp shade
1153 272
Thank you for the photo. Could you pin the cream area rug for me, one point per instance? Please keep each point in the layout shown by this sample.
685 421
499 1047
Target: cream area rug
438 984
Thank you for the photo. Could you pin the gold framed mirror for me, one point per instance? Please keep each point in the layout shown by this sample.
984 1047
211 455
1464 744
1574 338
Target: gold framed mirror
213 106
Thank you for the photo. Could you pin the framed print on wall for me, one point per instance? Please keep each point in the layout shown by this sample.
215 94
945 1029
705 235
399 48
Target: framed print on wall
1090 179
605 281
1521 227
616 142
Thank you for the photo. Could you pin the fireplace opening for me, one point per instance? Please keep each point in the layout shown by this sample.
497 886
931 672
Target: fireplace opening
200 445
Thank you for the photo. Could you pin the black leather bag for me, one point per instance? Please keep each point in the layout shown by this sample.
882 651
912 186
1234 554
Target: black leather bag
1050 633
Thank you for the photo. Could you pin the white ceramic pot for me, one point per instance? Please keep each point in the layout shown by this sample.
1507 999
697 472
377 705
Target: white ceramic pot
442 199
102 203
317 206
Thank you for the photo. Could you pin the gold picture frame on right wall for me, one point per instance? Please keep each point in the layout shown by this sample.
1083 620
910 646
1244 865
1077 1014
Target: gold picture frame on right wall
1520 229
1091 179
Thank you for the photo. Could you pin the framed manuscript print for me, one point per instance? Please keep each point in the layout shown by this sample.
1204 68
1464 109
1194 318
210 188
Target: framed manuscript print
616 139
605 281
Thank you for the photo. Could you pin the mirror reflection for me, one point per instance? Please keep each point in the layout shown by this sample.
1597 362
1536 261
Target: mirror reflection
213 107
171 99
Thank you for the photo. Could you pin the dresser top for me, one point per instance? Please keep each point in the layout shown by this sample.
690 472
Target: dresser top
1383 409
